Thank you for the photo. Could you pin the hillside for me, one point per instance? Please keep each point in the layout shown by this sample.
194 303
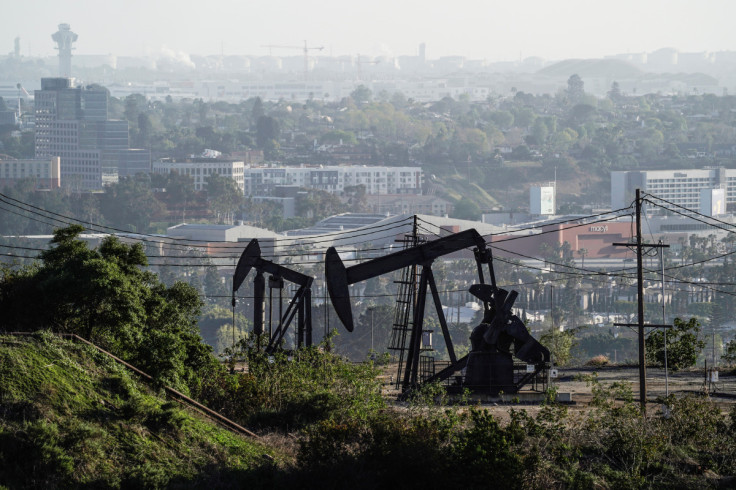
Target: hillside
71 417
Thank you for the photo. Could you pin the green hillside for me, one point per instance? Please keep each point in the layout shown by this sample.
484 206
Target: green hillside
456 187
72 417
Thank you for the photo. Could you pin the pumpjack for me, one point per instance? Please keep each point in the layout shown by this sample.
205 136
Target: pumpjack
300 304
489 367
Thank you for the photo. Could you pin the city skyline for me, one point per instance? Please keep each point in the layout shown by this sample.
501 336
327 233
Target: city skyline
477 30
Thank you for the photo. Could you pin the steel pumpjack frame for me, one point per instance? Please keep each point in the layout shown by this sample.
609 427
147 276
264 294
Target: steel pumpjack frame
300 304
497 304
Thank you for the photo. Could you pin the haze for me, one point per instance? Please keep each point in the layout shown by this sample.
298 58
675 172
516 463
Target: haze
495 31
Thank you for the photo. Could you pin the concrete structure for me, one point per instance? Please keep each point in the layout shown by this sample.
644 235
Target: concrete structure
542 200
64 38
71 122
201 168
682 187
227 239
409 204
712 202
46 171
261 181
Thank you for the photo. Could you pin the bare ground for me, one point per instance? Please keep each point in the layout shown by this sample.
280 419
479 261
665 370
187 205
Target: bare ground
572 380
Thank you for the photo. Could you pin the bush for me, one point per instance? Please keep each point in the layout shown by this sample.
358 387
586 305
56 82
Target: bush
560 345
293 391
683 345
598 361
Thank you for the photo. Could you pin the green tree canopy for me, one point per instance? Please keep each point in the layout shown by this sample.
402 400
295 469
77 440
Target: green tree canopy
130 203
224 196
683 345
106 296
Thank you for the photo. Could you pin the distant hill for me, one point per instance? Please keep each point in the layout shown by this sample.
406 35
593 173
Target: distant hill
70 417
608 68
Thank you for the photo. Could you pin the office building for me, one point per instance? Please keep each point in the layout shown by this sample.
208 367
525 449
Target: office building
681 187
71 123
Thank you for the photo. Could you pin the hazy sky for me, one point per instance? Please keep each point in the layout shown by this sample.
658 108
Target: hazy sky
479 29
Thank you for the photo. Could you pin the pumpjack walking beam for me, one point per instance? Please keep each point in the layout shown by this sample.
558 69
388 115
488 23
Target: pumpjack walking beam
339 278
300 304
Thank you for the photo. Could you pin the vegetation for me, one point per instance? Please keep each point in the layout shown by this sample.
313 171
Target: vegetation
612 446
560 344
292 391
70 417
683 345
105 296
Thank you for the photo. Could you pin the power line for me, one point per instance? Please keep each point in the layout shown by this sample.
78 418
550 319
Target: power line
198 243
164 242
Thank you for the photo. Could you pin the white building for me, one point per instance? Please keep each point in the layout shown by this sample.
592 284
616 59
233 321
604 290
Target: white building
46 171
542 200
201 168
260 181
681 187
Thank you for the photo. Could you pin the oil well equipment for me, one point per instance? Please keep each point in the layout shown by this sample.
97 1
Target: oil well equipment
489 367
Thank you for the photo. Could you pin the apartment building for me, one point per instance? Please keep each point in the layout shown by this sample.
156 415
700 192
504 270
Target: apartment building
201 168
45 171
261 181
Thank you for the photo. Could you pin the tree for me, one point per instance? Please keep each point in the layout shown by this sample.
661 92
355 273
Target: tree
145 131
224 196
466 209
267 129
106 296
361 94
583 252
180 188
539 132
257 111
130 203
560 344
615 93
683 345
502 119
730 354
575 88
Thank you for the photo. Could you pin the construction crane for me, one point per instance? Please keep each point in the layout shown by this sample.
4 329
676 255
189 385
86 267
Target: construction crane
305 49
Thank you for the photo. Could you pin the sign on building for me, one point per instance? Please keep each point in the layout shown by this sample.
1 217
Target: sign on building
542 200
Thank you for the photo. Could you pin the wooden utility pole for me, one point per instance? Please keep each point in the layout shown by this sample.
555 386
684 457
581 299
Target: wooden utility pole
639 246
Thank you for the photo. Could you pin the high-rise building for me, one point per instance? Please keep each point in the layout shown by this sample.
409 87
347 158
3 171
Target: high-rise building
64 38
71 122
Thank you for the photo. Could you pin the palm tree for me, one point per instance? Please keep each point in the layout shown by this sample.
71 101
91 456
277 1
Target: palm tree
583 252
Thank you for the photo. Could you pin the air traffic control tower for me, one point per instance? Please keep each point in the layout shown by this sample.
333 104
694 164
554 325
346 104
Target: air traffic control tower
64 38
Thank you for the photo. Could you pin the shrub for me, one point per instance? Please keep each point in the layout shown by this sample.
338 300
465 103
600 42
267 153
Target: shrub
598 361
683 345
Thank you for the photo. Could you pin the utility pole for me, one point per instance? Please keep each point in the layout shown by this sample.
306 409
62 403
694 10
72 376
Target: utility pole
664 320
372 351
638 246
552 308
